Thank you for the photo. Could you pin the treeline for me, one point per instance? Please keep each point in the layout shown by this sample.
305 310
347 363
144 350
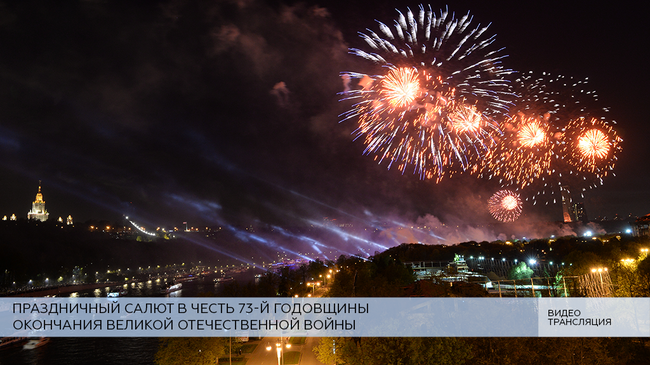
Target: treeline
607 249
482 351
384 275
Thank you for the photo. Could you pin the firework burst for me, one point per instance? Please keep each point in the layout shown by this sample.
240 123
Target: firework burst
400 87
553 140
590 146
433 96
532 134
593 145
524 153
505 206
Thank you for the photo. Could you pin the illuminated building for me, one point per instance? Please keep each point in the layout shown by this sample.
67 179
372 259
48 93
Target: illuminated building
69 220
38 211
579 213
642 226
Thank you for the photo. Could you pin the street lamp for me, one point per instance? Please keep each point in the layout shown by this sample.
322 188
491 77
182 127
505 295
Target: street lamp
599 270
279 349
313 286
627 261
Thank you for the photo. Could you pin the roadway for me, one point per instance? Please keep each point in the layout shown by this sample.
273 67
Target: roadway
261 356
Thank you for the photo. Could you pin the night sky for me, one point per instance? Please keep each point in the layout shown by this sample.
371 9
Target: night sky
227 111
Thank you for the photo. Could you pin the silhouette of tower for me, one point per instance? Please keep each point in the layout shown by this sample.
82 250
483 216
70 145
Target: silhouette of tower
38 211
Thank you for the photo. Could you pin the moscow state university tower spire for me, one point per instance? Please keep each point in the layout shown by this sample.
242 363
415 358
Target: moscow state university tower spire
38 211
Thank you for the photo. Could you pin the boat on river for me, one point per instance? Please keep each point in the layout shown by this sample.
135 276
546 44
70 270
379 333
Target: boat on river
173 288
34 343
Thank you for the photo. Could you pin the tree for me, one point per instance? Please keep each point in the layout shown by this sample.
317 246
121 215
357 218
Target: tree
531 350
581 262
191 350
382 276
626 279
571 351
520 271
392 351
643 272
631 277
327 349
438 350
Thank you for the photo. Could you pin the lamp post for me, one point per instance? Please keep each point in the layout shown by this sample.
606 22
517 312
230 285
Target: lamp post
600 270
279 348
600 273
313 286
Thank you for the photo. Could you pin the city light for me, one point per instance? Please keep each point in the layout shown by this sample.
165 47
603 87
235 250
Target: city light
279 348
141 229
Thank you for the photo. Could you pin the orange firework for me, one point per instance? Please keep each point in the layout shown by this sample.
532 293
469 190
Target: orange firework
505 205
409 118
509 202
553 139
400 87
431 93
531 134
524 153
593 144
466 119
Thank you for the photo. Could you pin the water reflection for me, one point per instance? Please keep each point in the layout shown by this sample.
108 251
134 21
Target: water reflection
110 350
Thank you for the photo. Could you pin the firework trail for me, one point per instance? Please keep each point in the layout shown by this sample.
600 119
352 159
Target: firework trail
431 101
505 206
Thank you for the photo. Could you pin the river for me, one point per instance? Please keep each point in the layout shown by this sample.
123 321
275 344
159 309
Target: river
110 350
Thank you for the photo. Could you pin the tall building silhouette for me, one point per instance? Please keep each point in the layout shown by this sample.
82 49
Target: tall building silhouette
38 211
566 203
579 212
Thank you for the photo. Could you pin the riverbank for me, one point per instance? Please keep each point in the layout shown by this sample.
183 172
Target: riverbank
59 290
